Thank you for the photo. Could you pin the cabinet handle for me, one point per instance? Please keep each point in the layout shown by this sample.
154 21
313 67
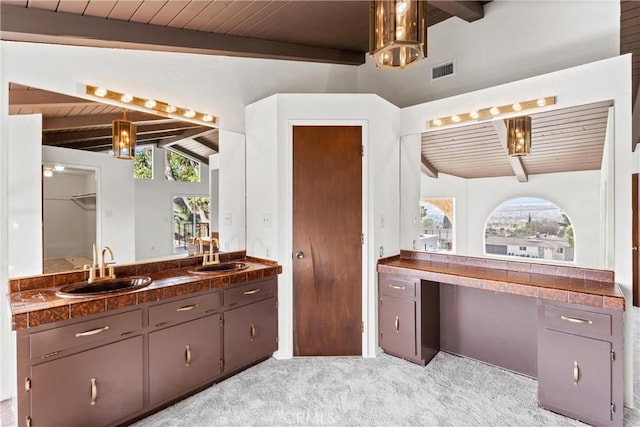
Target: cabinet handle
94 391
576 372
400 288
253 291
397 323
92 332
252 331
575 320
187 307
187 354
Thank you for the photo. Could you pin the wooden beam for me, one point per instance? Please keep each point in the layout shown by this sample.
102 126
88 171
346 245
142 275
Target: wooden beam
428 168
154 130
515 162
37 25
191 133
39 97
189 153
468 10
78 122
207 144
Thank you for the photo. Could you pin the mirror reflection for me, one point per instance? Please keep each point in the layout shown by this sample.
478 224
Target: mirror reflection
168 194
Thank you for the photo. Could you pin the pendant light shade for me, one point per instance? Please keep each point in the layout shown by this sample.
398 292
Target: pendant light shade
124 138
397 32
519 136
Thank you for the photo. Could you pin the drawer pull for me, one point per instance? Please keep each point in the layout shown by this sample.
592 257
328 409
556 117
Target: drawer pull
400 288
575 320
397 323
92 332
187 307
253 291
48 355
576 373
252 331
187 355
94 391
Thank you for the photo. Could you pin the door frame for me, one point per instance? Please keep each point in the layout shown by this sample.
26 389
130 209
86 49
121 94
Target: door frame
285 299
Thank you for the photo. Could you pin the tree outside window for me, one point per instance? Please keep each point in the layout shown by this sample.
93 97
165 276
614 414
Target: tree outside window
143 163
190 220
180 168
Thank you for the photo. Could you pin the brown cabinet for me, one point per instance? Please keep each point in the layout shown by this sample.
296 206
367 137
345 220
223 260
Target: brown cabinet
579 363
184 357
94 387
408 317
250 333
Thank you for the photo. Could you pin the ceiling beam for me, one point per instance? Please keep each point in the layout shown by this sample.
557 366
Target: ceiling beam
428 168
39 97
63 138
189 153
86 121
191 133
516 162
468 10
210 145
38 25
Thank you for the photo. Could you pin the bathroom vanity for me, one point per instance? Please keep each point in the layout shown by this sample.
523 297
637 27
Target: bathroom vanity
561 325
106 360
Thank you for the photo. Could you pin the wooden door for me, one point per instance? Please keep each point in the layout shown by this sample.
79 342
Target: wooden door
327 233
635 239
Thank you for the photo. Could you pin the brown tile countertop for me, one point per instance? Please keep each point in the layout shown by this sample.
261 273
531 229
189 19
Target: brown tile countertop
595 288
33 300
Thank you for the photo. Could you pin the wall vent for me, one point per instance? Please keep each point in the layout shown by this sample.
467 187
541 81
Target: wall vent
442 70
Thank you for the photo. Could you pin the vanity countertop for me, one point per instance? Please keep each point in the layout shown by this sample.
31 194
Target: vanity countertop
33 300
590 287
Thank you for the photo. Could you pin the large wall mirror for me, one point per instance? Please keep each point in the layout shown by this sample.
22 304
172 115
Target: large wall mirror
558 196
170 193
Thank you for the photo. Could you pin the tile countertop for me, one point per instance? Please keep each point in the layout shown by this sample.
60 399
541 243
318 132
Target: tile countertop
35 307
595 288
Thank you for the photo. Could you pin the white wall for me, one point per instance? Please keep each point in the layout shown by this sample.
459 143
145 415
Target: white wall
514 40
154 208
232 183
573 86
219 85
115 218
269 188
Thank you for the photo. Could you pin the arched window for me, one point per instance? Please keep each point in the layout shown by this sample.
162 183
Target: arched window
529 227
436 225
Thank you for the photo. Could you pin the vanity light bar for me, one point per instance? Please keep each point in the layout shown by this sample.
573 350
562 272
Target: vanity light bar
494 111
154 106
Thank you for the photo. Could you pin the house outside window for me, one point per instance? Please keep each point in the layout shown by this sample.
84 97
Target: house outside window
437 225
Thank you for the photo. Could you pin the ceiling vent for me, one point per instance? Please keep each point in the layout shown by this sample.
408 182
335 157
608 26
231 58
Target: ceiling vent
442 70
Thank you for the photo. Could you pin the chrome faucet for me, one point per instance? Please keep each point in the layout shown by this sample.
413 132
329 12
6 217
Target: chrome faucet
212 257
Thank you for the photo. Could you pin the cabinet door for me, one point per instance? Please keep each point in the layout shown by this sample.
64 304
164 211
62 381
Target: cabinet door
92 388
250 333
183 357
574 376
397 326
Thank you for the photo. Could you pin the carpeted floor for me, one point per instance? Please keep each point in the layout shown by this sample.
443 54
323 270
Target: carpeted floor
385 391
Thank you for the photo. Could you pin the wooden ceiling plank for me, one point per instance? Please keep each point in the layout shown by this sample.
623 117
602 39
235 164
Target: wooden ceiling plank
124 9
83 121
514 161
469 11
233 17
428 168
147 10
270 11
189 12
99 8
72 6
168 11
191 133
43 4
22 23
207 15
206 143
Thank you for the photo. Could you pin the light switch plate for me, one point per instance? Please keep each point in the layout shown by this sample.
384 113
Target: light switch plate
266 220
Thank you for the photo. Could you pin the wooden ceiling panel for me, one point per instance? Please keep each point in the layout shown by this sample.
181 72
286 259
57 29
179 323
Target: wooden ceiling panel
168 11
187 14
270 12
147 10
124 10
99 8
44 4
208 15
76 7
235 17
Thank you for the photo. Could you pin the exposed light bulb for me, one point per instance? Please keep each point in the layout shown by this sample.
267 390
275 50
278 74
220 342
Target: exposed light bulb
100 92
400 33
127 97
437 122
401 8
541 102
516 106
189 113
494 111
150 103
455 118
474 114
207 118
58 168
47 172
171 109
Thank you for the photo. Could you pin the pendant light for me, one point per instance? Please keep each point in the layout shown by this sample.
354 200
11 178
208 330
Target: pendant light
519 136
397 32
124 138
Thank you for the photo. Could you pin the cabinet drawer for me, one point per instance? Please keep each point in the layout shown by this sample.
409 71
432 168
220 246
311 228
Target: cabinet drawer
183 309
53 341
580 322
251 292
395 286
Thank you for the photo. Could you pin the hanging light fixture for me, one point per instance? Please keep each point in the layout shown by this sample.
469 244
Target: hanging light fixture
519 136
397 32
124 138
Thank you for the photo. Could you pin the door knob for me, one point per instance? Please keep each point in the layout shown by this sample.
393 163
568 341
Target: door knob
300 255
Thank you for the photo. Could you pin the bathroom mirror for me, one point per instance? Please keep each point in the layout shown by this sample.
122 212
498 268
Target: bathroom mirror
175 194
463 173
